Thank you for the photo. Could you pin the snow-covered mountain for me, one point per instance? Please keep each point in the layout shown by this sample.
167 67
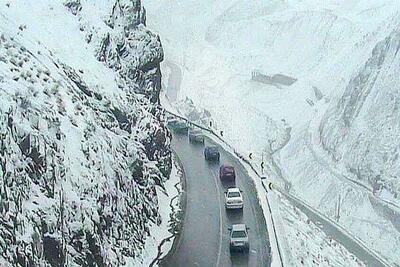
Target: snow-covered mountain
331 138
83 146
362 129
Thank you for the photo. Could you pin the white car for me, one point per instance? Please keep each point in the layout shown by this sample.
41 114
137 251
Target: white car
233 198
238 238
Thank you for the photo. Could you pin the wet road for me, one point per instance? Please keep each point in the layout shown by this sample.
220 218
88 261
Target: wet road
191 256
204 240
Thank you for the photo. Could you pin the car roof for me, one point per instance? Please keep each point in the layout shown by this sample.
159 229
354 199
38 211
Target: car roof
233 189
239 227
227 166
195 129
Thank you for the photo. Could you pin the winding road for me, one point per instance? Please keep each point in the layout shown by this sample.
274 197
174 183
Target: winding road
204 239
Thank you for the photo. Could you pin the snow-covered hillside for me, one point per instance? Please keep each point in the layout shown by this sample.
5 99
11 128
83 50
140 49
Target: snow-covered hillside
219 44
362 129
83 148
331 138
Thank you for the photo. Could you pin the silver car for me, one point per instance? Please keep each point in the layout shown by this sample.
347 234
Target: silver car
196 136
239 238
233 198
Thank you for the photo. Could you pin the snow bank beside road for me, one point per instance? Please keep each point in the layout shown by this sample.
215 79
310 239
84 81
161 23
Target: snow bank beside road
322 44
162 236
307 245
283 253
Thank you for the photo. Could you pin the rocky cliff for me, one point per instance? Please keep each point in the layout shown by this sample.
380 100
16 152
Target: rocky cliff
83 145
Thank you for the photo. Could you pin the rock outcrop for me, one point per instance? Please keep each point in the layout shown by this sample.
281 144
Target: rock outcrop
79 162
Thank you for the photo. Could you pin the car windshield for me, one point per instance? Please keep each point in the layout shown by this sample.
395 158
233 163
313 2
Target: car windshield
213 149
228 169
233 194
239 234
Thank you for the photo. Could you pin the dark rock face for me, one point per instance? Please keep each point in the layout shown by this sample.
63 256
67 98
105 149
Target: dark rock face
78 168
139 70
119 48
74 6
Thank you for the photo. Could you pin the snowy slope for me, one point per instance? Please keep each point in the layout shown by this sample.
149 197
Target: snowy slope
333 134
309 246
83 150
345 162
219 44
362 130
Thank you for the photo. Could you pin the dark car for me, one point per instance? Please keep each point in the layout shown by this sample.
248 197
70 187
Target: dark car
211 153
227 172
178 126
196 136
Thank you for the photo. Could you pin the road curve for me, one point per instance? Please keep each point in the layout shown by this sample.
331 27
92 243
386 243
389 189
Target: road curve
330 229
204 239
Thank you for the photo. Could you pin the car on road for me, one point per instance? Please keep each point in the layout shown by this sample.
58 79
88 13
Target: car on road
196 135
178 126
227 172
239 238
233 198
211 153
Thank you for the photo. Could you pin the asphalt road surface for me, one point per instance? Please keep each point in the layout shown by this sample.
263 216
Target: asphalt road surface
204 201
204 240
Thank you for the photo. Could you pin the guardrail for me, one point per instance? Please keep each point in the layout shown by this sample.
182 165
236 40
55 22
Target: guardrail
338 226
241 157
